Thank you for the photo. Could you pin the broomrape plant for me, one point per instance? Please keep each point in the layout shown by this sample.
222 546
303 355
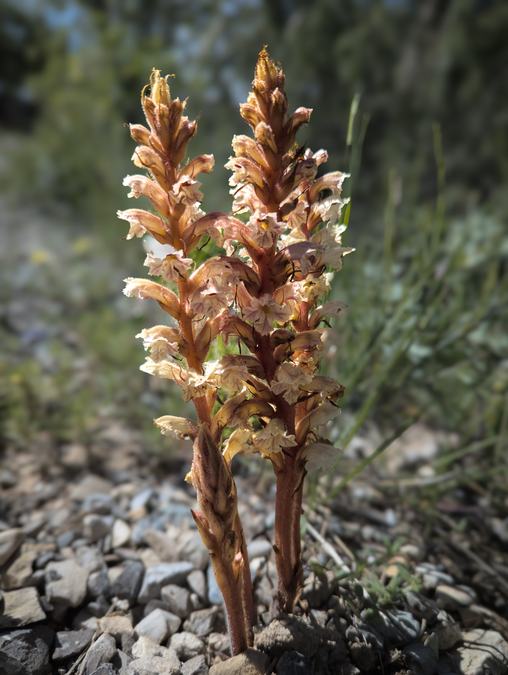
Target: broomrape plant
263 296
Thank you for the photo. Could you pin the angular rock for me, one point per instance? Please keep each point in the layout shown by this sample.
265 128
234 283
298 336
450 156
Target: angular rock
454 597
177 599
214 594
10 541
102 651
98 583
26 651
146 647
120 534
195 666
202 622
293 663
158 625
288 634
250 662
160 575
154 665
66 583
19 572
186 645
259 548
96 527
421 659
126 586
196 581
484 651
70 643
116 625
21 607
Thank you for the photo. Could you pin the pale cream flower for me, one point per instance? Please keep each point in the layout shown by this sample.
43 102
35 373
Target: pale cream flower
192 384
264 228
179 426
142 186
312 288
240 441
263 312
273 438
187 190
232 376
141 221
291 381
160 341
172 267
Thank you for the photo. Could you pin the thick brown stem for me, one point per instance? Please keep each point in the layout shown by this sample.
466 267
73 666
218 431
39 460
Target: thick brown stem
288 509
232 592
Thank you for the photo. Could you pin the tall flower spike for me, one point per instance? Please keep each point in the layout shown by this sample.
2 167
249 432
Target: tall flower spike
194 303
293 241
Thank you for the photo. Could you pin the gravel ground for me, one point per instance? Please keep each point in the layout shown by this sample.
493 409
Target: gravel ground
103 572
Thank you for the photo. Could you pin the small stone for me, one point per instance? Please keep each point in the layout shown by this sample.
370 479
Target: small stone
102 651
116 625
196 581
202 622
141 499
100 503
421 659
126 586
71 643
449 635
291 633
154 665
19 573
10 541
186 645
218 643
158 625
177 599
293 663
97 527
454 597
160 575
259 548
98 583
250 662
144 647
105 669
484 651
195 666
66 583
121 534
90 558
89 485
20 608
26 651
214 594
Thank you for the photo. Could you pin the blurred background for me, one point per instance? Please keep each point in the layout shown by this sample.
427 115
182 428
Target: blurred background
410 97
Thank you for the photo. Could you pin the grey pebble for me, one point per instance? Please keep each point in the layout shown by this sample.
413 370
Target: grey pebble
20 608
177 599
202 622
214 594
160 575
70 643
186 645
126 586
26 651
66 583
195 666
158 625
102 651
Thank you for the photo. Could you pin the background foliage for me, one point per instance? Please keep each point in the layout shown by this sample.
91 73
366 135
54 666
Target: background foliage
410 96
